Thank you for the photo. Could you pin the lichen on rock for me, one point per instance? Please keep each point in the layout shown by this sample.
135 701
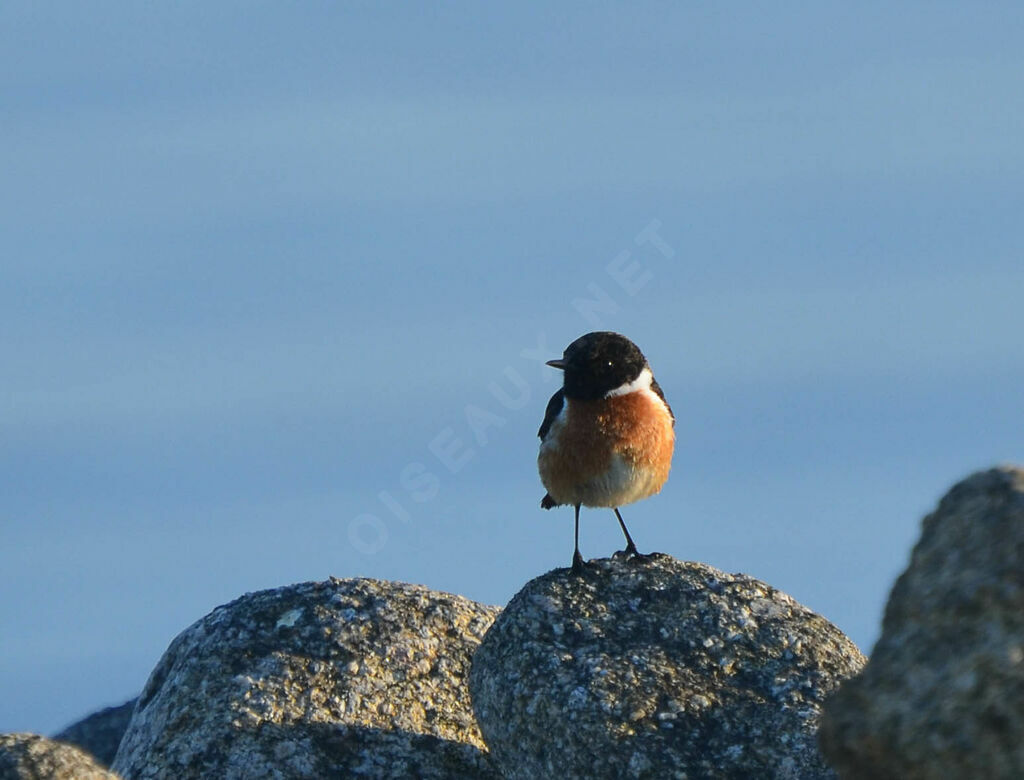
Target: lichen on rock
655 667
943 693
351 677
34 757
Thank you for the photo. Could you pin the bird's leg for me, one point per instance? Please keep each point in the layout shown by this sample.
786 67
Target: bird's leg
577 559
630 547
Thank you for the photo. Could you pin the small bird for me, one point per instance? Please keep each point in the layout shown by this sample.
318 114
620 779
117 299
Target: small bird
608 434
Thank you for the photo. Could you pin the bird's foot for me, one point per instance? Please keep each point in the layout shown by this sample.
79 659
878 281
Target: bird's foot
577 563
628 554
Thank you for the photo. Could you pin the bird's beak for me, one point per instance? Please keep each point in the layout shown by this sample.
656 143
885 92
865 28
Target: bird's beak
560 364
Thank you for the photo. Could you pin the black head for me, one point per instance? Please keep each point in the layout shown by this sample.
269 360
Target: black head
599 362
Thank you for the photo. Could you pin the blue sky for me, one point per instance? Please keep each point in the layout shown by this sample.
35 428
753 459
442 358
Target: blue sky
262 263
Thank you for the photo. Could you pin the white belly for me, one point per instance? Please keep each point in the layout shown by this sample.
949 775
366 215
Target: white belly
620 485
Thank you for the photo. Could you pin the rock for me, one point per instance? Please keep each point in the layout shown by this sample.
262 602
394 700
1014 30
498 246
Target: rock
656 668
943 694
32 757
100 733
332 679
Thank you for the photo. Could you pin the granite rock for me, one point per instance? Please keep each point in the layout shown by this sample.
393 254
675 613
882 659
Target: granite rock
943 694
340 678
33 757
656 668
99 734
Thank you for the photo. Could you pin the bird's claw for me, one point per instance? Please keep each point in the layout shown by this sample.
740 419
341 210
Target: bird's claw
629 553
577 563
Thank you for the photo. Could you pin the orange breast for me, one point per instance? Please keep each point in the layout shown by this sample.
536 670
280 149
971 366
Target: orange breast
635 426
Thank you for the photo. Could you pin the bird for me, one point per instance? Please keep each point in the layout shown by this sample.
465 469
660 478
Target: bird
608 434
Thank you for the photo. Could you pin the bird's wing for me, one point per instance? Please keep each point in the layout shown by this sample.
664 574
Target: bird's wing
554 407
657 389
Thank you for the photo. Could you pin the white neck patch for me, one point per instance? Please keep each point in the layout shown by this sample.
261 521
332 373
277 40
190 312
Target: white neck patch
642 382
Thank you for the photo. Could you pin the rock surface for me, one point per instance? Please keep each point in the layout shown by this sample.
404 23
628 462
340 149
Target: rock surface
332 679
943 694
656 668
32 757
99 734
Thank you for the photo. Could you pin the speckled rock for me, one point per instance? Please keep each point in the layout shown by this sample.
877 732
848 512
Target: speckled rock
943 694
656 668
99 734
332 679
32 757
